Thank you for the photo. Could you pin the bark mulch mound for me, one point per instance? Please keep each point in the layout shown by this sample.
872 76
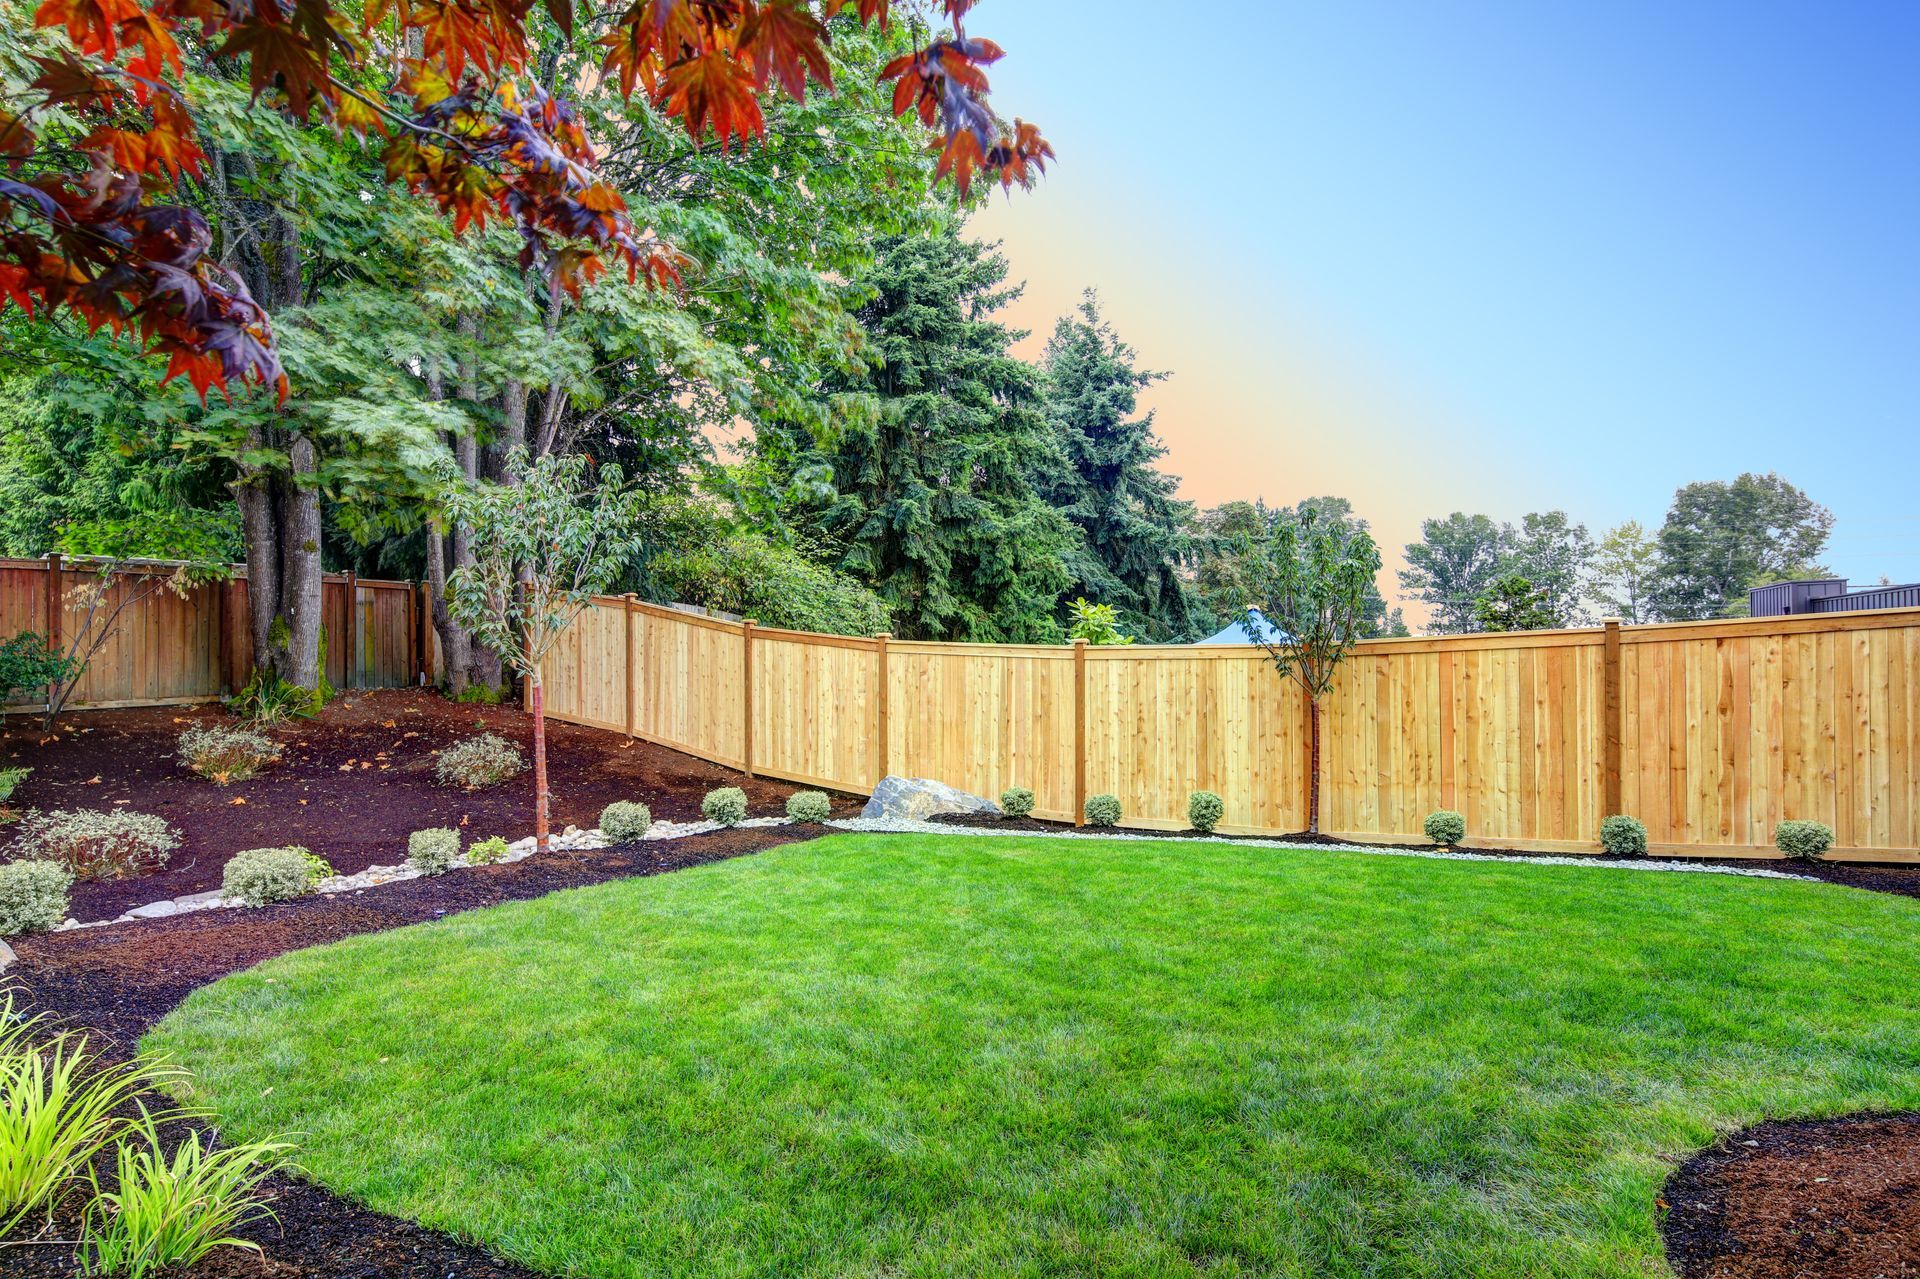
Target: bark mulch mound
1837 1199
352 785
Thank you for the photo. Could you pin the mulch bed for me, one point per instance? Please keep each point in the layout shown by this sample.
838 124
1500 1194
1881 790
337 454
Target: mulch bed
1838 1199
352 785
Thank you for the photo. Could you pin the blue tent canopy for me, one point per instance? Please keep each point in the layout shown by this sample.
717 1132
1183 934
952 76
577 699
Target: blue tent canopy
1237 633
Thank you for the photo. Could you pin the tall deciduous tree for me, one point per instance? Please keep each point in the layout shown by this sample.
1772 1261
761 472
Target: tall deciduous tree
1625 568
1231 534
1555 556
1453 564
1721 538
1513 603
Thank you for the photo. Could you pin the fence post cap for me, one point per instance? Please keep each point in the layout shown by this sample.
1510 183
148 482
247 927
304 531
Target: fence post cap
1079 641
1609 621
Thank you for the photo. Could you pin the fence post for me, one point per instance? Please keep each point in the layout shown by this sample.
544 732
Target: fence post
627 603
351 585
746 696
880 722
1079 731
1610 786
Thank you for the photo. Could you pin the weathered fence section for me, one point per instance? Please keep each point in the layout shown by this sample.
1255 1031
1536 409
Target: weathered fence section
1708 732
166 649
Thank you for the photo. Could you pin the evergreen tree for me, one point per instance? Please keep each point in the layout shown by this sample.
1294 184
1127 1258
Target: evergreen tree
1136 533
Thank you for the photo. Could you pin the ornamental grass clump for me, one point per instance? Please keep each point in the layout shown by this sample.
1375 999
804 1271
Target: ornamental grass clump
726 806
1803 840
809 807
258 876
1446 827
1103 810
479 762
1204 810
485 852
223 754
1623 836
33 897
116 844
624 819
1016 801
432 851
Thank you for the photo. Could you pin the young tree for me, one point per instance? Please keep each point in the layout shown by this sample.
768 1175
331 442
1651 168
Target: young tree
1228 537
1453 564
542 550
1513 603
1720 539
1308 579
1624 570
1555 555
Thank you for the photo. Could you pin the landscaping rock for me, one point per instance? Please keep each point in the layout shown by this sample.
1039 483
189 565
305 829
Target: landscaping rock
154 910
6 957
918 798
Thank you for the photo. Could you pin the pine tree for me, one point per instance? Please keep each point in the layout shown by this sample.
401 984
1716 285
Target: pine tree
1136 532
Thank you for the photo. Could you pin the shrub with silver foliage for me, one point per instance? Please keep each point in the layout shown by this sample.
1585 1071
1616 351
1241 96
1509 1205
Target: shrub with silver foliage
223 754
1103 810
1204 810
1623 836
809 806
727 806
114 844
1016 801
432 850
623 820
1803 841
261 875
33 897
1446 827
479 762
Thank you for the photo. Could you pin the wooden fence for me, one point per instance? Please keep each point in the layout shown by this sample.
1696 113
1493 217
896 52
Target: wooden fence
1709 732
168 650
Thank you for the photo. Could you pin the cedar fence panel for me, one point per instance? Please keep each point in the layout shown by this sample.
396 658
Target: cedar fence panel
1709 732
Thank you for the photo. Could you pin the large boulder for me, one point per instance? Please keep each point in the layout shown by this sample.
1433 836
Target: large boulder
918 798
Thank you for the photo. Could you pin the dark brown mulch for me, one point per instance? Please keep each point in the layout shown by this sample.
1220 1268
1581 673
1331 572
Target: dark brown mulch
120 980
1837 1199
352 785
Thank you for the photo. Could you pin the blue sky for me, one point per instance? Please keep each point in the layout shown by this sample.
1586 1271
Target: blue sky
1494 257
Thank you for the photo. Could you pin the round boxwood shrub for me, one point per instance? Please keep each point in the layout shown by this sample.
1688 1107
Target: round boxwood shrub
1103 810
1446 827
33 896
1204 809
808 806
432 850
1802 840
261 875
485 852
623 820
727 806
1016 801
479 762
1623 836
115 844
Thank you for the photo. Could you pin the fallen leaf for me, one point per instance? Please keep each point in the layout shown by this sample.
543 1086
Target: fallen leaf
387 723
237 799
302 801
94 780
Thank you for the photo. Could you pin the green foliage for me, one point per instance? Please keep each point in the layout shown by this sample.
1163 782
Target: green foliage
1305 590
1556 556
485 852
432 851
1623 836
479 694
809 806
1513 603
1102 810
267 699
1095 623
258 876
750 575
726 805
479 762
1233 538
1626 568
318 868
623 820
28 665
33 896
1454 563
113 844
10 779
1803 840
1445 827
221 754
1016 801
1719 539
1204 810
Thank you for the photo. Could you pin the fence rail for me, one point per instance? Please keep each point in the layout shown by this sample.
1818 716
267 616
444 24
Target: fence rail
1709 732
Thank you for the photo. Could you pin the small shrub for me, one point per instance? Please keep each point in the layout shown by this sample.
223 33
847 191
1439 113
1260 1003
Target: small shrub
1204 810
479 762
727 806
478 694
270 700
1446 827
623 820
809 806
261 875
33 896
221 754
1802 840
485 852
1016 801
1103 810
432 850
1623 836
318 868
10 779
114 844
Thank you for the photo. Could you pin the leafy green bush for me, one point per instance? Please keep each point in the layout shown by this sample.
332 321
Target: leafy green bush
1204 810
221 754
1623 836
27 666
478 694
267 699
1446 827
479 762
33 896
318 868
727 806
10 779
623 820
811 807
114 844
1103 810
261 875
1097 624
1802 840
776 585
485 852
1016 801
432 850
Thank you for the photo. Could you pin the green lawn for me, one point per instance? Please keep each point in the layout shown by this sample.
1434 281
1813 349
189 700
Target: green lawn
961 1056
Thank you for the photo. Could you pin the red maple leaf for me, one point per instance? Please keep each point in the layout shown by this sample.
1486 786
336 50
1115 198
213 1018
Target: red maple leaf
713 88
281 58
90 24
784 41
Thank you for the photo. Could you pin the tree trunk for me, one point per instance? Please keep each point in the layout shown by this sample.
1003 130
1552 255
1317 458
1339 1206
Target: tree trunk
537 695
483 662
1313 777
456 645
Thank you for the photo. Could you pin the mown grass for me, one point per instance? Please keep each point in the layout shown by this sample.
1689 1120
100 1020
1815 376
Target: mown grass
965 1056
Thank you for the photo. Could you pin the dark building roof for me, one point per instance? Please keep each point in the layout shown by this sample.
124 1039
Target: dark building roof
1827 595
